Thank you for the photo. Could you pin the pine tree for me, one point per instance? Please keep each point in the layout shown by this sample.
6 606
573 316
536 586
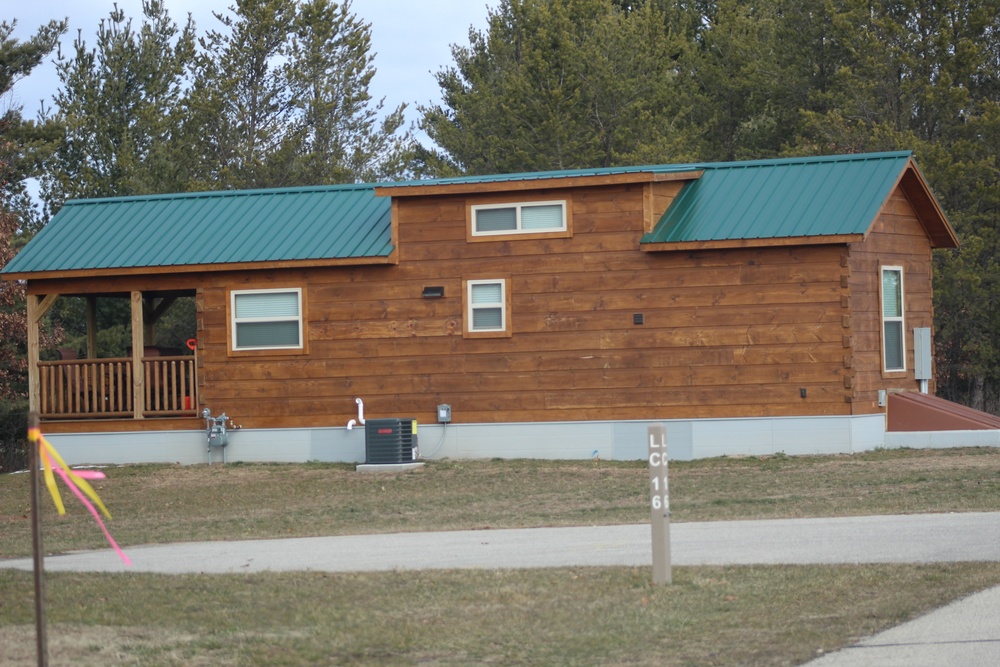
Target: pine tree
556 84
239 105
22 146
280 97
337 133
120 107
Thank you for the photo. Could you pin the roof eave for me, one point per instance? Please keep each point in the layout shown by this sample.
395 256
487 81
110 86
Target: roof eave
929 211
543 183
391 258
726 244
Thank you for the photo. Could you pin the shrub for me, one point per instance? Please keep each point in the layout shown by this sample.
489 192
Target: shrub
13 435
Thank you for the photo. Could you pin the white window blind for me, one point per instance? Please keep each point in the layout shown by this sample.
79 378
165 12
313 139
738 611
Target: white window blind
542 217
486 306
267 304
892 303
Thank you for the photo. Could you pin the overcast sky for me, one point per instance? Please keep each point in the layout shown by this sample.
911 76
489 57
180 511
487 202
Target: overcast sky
411 38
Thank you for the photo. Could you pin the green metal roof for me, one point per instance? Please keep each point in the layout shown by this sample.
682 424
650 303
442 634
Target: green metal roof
731 201
542 175
328 222
766 199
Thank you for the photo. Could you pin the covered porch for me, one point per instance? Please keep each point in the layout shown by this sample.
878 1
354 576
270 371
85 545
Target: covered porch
152 381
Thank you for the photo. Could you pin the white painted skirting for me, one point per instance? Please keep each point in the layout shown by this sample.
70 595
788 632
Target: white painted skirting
615 440
943 439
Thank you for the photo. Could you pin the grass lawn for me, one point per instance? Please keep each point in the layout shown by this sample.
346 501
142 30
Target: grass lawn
781 615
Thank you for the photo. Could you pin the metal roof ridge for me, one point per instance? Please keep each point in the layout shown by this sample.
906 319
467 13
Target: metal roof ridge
542 175
198 194
652 168
802 160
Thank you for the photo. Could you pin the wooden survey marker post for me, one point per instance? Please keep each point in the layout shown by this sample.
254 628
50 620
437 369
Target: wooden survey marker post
659 493
34 466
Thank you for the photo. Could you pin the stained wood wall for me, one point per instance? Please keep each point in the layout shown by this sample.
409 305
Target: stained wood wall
896 239
725 333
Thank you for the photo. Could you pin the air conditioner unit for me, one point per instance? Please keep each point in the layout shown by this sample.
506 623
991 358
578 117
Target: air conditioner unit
390 440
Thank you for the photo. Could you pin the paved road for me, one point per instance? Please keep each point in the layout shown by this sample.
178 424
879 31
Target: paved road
917 538
964 634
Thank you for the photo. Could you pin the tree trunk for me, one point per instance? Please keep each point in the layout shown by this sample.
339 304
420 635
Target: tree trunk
977 400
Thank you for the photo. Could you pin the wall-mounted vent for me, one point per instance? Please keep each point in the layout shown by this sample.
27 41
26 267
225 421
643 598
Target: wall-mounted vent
390 441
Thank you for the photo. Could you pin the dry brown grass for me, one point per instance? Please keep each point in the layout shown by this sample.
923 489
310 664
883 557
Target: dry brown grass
564 616
171 503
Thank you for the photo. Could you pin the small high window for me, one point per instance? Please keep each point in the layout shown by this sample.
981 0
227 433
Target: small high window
533 218
893 341
267 319
486 311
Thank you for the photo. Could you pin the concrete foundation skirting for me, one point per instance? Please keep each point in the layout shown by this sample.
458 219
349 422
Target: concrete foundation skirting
388 467
942 439
614 440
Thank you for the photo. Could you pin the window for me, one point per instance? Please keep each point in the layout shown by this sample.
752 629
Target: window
267 319
893 343
486 308
534 218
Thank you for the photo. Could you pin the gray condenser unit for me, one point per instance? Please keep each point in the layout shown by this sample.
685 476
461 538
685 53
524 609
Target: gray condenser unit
390 441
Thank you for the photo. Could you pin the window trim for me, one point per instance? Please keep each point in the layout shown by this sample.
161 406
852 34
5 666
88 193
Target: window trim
901 318
467 308
300 319
472 209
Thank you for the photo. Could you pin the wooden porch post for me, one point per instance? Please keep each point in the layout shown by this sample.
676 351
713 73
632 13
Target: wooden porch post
34 391
91 327
37 307
138 373
152 312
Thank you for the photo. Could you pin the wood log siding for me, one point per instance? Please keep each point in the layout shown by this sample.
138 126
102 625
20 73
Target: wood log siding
896 239
727 333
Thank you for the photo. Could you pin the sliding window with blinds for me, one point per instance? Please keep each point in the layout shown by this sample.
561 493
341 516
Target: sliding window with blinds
519 218
893 340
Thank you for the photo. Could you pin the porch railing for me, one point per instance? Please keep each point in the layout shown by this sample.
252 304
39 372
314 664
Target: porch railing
103 388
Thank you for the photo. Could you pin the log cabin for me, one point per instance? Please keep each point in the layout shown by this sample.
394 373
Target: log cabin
754 307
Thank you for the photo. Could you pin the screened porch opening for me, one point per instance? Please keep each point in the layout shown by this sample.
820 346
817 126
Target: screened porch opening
121 356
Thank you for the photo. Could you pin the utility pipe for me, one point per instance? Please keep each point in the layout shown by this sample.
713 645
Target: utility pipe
361 415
